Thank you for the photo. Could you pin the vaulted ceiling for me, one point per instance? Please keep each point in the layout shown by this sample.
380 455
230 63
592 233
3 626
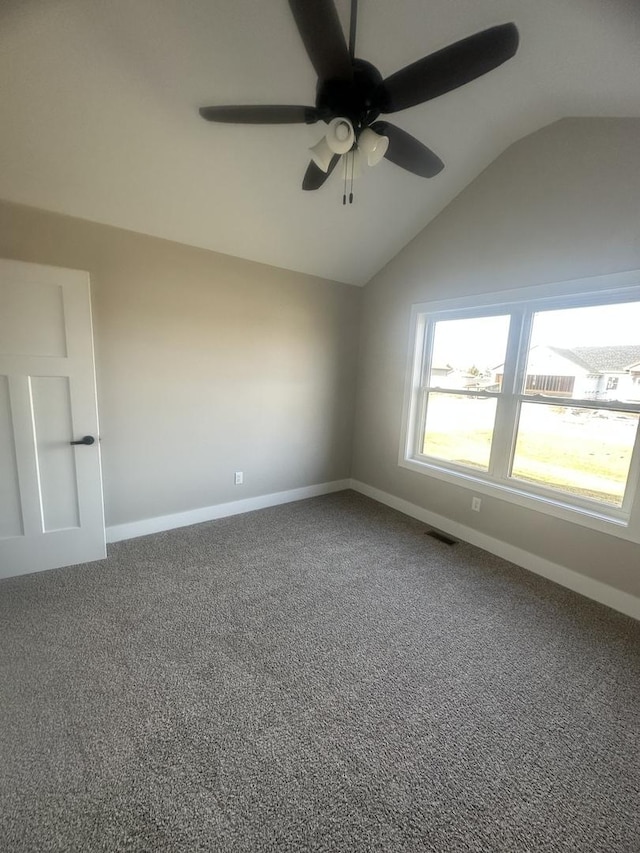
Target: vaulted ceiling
99 113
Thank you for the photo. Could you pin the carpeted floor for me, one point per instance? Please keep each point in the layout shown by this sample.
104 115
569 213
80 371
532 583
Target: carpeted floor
319 676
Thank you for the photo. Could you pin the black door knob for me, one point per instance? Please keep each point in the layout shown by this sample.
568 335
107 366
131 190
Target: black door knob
86 439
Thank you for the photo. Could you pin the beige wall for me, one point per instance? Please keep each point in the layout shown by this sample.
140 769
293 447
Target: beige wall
206 364
563 203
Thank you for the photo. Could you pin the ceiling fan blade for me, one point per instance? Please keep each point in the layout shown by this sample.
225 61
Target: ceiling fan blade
322 36
406 151
352 29
314 177
448 68
259 114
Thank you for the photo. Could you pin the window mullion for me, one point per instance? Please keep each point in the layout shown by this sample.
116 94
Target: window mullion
503 437
508 403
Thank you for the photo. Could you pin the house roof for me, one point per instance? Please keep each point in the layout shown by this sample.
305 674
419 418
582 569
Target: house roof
612 359
100 116
573 356
609 359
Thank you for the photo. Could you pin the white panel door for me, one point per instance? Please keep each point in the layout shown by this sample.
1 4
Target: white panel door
51 510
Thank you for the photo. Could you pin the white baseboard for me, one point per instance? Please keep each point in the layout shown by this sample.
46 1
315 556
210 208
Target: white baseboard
131 530
596 590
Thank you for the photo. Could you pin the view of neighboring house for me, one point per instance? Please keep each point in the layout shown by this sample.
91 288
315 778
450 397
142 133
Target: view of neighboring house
587 373
446 376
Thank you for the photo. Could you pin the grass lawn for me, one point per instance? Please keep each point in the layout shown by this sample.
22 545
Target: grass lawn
589 457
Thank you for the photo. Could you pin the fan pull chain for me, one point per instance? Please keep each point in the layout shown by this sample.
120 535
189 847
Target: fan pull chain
353 159
349 161
344 193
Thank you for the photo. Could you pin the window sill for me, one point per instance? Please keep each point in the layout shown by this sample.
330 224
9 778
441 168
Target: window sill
595 519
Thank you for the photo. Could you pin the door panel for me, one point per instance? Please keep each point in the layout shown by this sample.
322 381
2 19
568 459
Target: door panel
51 404
51 496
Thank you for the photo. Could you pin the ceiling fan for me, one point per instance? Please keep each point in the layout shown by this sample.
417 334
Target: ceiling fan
351 93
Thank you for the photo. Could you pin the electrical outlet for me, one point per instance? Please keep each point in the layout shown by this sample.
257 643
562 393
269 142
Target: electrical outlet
476 504
239 478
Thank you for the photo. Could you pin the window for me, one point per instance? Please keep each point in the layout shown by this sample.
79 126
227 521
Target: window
515 398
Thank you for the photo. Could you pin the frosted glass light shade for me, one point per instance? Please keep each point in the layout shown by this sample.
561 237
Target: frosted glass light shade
340 135
372 145
321 154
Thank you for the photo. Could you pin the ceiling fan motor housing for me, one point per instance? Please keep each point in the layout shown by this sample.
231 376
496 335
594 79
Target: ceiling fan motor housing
355 99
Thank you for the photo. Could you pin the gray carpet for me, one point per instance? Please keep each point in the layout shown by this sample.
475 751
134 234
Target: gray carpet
319 676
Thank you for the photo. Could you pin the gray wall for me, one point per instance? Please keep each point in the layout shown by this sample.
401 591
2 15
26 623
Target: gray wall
206 364
563 203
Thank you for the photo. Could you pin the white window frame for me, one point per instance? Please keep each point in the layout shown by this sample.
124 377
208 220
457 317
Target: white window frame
623 522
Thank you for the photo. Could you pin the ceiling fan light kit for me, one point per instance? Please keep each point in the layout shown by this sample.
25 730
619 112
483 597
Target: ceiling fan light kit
340 135
351 94
322 155
373 146
340 139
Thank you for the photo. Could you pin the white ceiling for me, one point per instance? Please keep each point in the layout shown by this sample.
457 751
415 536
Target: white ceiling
99 115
